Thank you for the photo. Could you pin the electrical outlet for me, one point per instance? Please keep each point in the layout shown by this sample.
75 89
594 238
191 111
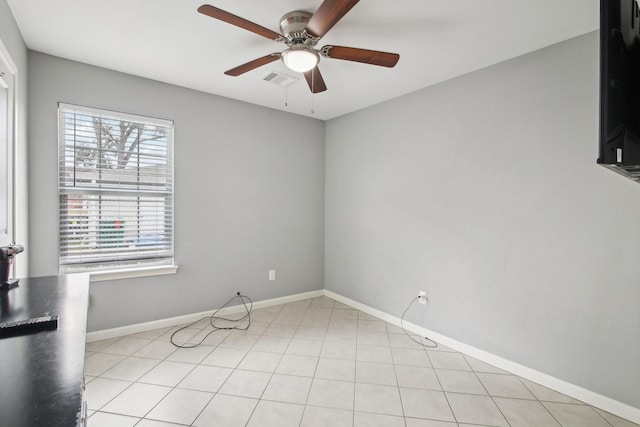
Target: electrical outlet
272 275
422 297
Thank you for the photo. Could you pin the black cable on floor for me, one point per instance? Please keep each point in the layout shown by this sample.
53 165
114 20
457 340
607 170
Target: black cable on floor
435 344
213 318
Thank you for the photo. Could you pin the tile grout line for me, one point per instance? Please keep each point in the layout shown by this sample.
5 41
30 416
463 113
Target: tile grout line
455 418
395 373
259 399
314 375
311 322
234 370
488 394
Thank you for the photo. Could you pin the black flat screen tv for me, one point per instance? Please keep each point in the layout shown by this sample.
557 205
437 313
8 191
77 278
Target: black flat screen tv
620 87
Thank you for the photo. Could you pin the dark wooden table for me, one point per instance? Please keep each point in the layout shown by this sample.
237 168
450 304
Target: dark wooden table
41 374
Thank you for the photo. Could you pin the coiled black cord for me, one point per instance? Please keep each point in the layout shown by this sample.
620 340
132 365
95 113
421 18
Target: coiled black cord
214 317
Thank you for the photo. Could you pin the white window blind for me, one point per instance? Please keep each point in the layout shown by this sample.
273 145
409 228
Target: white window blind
115 190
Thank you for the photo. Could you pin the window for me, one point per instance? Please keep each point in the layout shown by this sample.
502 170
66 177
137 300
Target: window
115 190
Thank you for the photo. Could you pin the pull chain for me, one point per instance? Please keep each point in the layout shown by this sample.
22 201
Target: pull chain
313 85
286 91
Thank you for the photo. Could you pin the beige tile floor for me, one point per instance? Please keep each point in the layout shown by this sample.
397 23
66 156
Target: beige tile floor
312 363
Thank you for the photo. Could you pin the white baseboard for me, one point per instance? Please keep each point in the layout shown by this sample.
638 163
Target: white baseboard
592 398
587 396
188 318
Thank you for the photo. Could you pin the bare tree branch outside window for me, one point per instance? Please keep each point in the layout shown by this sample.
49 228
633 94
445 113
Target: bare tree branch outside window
115 143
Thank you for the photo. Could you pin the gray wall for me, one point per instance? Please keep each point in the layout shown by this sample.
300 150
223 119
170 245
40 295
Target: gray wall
484 192
17 50
248 195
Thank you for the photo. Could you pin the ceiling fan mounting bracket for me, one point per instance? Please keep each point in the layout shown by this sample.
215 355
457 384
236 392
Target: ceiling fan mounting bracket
313 39
293 28
325 51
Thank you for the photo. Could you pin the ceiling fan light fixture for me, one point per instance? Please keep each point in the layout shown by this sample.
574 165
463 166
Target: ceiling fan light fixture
300 58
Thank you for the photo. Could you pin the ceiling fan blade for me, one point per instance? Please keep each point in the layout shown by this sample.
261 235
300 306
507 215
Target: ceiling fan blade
232 19
315 80
327 15
251 65
366 56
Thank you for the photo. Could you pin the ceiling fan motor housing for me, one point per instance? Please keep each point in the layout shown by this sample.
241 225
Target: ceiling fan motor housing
293 26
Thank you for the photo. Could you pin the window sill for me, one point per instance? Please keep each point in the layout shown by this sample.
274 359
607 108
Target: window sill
101 276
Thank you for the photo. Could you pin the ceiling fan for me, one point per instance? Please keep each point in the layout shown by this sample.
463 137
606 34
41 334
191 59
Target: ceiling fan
301 31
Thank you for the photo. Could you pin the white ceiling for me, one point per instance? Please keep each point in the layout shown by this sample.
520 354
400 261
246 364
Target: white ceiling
167 40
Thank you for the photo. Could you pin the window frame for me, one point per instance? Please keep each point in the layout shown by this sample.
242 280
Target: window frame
124 267
9 83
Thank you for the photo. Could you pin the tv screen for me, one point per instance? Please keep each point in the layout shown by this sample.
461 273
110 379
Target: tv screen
620 87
